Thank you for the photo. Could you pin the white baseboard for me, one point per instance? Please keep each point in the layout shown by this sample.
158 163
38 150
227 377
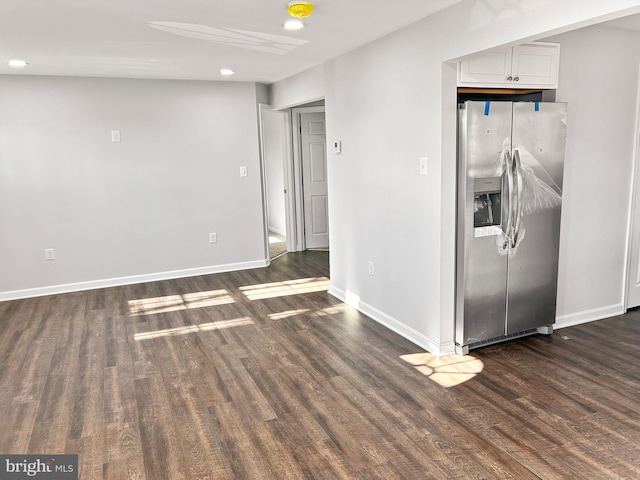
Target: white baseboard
391 323
586 316
440 349
116 282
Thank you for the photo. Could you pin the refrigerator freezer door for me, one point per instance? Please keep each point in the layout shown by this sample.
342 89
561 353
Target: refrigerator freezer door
538 138
481 269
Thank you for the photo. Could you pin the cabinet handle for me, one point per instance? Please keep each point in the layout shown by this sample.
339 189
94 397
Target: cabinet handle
509 78
517 79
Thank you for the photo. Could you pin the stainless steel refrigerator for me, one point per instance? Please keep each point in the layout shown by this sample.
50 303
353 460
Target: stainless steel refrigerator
510 168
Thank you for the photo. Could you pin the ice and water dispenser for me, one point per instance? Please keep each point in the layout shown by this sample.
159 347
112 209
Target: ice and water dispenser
487 202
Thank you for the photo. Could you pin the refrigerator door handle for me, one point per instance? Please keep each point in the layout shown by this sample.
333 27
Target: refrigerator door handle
508 229
519 197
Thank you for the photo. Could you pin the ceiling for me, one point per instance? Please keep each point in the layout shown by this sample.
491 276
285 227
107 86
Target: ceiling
191 39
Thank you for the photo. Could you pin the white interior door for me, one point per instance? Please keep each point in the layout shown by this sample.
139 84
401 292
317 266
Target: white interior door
314 179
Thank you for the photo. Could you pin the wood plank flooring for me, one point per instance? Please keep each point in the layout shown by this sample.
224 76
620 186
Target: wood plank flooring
261 374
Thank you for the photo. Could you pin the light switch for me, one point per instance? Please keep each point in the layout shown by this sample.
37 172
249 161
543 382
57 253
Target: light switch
115 136
243 171
423 165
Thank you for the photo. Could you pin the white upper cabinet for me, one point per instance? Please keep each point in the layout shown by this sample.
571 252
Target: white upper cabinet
532 65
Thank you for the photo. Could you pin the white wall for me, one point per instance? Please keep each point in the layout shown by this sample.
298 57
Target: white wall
274 154
141 208
390 102
305 87
599 80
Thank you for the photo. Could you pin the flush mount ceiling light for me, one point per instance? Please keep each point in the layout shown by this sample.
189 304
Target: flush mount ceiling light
15 63
227 72
300 9
293 24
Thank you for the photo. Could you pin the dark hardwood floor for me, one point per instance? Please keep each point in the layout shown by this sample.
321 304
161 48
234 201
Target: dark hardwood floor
261 374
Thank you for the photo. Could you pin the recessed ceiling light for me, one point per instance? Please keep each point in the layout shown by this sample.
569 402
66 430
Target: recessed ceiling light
17 63
227 72
293 24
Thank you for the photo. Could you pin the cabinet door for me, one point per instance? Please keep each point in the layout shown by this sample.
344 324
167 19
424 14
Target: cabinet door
491 69
536 65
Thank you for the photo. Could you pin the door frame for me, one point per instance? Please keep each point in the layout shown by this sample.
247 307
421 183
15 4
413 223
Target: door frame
287 163
632 248
296 185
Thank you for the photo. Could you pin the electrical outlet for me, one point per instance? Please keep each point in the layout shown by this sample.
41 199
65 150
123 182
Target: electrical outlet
49 254
213 238
371 270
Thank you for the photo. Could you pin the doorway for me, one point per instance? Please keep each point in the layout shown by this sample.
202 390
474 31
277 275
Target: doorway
310 176
294 165
275 130
632 285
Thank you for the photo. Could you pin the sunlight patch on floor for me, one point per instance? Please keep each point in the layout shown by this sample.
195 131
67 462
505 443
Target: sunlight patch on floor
332 310
339 308
203 327
282 289
447 371
173 303
287 314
